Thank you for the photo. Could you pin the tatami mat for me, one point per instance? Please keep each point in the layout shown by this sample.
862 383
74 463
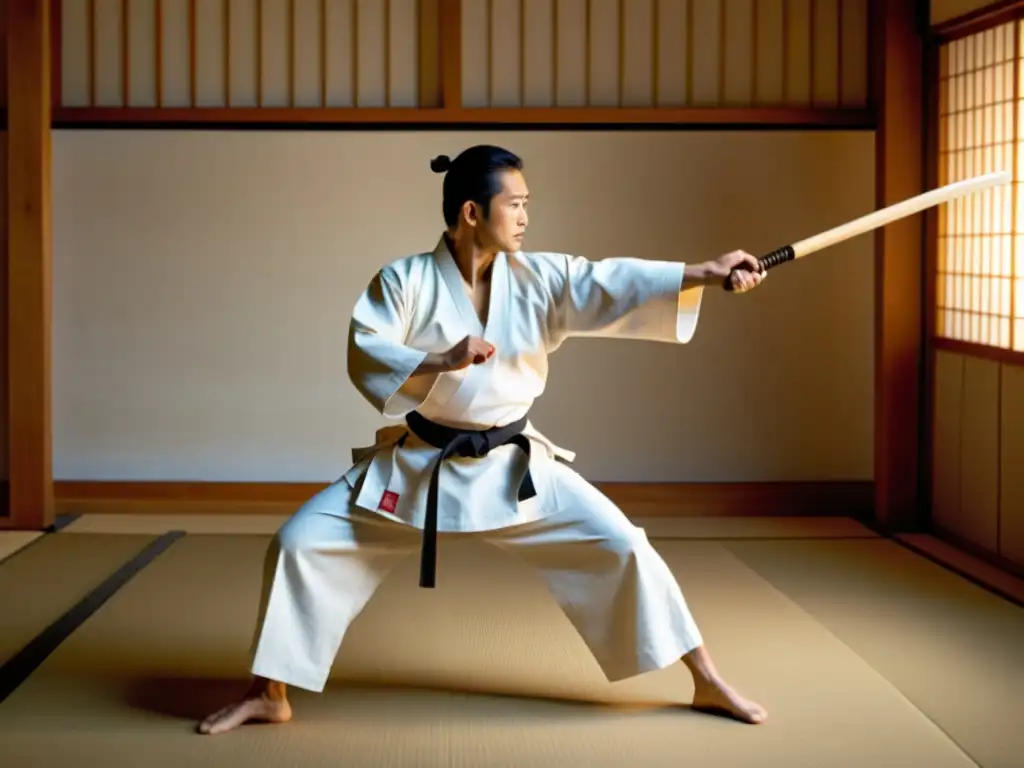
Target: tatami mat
41 583
13 541
753 528
955 650
504 680
159 523
656 527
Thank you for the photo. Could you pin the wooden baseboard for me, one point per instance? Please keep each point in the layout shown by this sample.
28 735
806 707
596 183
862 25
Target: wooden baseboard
780 499
997 575
976 551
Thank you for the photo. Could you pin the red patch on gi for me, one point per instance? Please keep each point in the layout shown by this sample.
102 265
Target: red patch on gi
389 501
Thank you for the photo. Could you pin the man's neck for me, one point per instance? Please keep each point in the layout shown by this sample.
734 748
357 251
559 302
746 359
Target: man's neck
474 263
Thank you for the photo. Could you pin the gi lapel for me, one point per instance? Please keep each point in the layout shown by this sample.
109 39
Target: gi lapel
456 285
476 375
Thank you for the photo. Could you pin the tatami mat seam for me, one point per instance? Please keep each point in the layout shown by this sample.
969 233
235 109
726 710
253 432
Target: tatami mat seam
11 555
19 667
63 521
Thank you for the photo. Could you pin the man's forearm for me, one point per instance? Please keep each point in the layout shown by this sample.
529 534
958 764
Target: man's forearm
434 362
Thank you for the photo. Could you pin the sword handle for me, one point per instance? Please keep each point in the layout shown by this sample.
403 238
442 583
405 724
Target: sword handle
768 261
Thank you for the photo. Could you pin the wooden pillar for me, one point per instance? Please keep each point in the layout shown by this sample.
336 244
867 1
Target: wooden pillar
29 254
4 441
430 94
898 90
451 53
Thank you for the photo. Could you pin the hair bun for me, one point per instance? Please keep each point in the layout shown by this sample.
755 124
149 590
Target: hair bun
440 164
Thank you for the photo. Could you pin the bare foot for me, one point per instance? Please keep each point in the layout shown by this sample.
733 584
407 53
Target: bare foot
716 698
265 703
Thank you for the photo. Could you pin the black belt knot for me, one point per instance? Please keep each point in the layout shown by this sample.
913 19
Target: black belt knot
470 444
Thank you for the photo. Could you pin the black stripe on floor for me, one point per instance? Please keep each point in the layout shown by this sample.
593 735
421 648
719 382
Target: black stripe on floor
62 521
28 659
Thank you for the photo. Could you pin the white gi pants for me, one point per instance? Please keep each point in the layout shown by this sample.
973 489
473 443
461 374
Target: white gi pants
327 561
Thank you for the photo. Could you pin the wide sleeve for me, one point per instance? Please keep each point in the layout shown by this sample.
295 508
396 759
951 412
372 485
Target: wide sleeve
380 364
624 298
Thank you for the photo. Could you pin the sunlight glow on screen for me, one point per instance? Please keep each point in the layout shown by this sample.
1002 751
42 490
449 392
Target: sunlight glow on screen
980 269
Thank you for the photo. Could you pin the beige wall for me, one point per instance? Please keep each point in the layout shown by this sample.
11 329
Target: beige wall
203 281
978 483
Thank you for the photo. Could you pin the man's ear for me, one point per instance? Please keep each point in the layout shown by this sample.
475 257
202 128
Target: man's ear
471 213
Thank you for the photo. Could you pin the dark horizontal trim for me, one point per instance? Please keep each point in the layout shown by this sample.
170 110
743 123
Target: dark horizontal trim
990 16
971 349
564 118
975 550
959 562
449 127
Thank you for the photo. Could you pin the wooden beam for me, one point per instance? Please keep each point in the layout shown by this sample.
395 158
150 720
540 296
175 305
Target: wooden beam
4 431
56 54
931 160
29 253
301 118
986 16
5 444
3 53
1002 355
898 62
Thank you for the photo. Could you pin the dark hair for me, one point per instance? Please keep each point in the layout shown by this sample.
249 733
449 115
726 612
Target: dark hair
473 175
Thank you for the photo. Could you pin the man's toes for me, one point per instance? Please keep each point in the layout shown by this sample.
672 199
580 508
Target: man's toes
224 720
207 725
752 713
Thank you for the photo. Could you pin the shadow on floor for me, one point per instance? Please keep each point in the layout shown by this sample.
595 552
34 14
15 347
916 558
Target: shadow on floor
193 698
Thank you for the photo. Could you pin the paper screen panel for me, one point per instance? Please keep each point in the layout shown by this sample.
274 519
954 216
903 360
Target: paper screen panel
979 290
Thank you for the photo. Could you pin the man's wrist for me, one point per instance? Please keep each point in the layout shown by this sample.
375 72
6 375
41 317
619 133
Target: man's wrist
700 273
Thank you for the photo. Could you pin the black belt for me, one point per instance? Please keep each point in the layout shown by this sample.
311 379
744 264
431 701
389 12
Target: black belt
468 443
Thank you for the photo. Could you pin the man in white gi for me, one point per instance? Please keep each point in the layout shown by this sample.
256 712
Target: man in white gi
455 342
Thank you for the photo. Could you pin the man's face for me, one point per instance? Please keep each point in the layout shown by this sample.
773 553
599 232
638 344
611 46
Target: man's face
505 226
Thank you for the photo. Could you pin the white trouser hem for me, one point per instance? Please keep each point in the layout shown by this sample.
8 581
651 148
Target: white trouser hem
650 663
314 681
